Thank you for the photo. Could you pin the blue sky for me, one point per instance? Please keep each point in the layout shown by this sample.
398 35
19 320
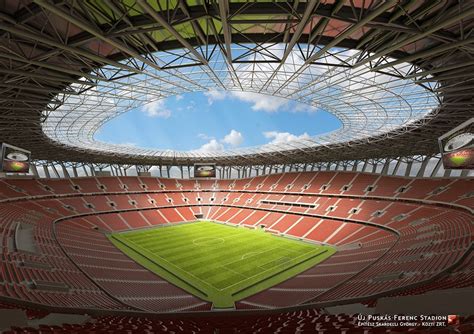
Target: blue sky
215 121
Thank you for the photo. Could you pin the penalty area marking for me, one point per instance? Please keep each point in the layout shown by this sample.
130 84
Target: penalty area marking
277 262
249 254
208 241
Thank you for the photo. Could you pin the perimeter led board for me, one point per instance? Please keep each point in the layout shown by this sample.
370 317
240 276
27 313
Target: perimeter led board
204 170
457 146
14 159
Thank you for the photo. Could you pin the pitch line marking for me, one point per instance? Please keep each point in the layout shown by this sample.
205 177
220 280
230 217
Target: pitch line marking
264 270
224 266
286 258
243 257
246 277
144 251
204 241
235 272
264 251
268 250
228 287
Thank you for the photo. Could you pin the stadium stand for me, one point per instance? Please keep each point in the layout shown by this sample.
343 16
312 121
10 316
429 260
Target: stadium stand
411 237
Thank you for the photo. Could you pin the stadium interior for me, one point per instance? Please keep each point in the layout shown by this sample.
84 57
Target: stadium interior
366 229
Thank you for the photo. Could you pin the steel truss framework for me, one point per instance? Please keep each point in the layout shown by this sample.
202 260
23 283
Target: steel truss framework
414 166
397 73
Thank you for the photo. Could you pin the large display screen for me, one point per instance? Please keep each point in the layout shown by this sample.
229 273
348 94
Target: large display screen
204 170
457 147
14 159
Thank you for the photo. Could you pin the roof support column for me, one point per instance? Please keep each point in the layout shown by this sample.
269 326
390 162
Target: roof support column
397 166
65 172
421 172
34 170
364 166
447 173
409 166
437 167
46 171
374 166
385 167
55 171
74 171
354 166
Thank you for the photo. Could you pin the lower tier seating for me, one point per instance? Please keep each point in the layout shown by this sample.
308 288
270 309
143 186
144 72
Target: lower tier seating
300 321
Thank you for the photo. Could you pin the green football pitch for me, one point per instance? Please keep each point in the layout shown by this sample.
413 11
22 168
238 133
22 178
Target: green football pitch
219 263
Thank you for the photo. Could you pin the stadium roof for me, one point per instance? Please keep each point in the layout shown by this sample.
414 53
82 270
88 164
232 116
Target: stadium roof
398 74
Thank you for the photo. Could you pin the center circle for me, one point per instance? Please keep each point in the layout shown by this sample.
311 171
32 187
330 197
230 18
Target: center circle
208 241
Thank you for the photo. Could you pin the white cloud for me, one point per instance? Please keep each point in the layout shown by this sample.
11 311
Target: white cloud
215 95
204 136
211 146
262 102
234 138
156 109
283 137
303 107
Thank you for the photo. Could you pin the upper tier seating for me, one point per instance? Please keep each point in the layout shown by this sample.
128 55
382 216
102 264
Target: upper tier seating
330 183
